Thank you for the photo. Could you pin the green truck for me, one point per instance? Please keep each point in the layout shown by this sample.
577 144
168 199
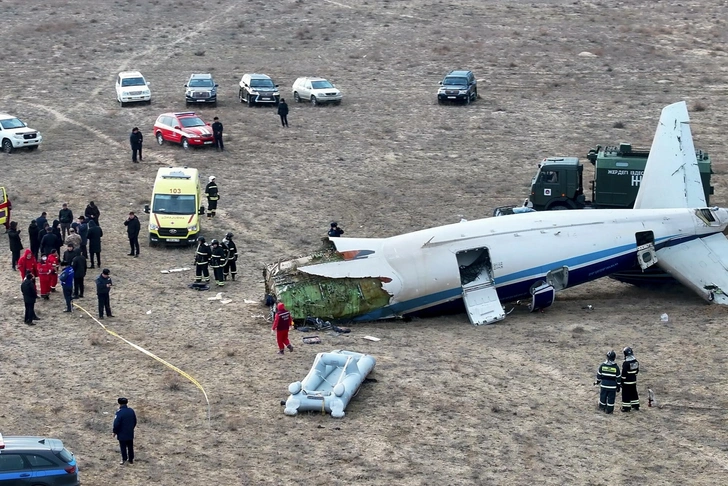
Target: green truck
558 183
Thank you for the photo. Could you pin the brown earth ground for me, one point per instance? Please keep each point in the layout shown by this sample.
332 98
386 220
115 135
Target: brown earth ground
510 403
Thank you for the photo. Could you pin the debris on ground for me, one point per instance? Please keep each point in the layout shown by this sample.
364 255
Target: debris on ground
175 270
371 338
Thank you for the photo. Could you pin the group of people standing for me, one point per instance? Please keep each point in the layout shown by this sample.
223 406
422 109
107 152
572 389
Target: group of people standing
222 257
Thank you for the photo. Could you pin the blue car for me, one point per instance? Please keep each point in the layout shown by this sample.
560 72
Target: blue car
36 461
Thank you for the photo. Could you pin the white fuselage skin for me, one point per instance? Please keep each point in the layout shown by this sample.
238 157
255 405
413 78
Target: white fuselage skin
523 248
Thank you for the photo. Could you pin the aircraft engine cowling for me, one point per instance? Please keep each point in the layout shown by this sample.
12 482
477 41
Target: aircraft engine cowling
542 296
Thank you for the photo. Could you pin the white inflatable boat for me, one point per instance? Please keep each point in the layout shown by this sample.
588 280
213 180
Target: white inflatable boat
332 382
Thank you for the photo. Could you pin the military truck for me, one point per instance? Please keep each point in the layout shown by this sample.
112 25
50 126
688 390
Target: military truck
558 183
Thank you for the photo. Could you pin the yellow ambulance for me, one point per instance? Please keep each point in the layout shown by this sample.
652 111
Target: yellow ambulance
174 216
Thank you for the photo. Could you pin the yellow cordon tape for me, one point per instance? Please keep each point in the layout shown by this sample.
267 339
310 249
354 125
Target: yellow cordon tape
168 365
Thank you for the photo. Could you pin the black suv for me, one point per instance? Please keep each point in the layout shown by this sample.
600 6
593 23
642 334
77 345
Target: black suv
36 461
458 86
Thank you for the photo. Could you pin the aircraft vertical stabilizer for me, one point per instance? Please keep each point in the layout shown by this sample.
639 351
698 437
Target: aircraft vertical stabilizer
672 177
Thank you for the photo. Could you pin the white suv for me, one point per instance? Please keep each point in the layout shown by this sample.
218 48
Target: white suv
315 90
16 134
258 88
131 87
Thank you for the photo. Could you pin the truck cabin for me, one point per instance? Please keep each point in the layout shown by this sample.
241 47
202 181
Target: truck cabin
558 184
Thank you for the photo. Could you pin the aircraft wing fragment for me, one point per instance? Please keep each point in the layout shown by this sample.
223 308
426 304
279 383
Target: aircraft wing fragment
701 265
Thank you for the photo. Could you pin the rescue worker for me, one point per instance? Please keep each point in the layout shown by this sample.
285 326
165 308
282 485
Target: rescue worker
54 260
103 287
65 217
15 243
281 324
30 295
28 263
66 278
231 267
217 262
217 133
608 378
44 275
202 259
630 368
135 140
335 231
212 197
33 233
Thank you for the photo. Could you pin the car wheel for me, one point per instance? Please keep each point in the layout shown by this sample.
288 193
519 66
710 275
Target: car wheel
467 99
185 143
7 146
121 104
152 244
296 98
160 138
251 102
314 101
240 96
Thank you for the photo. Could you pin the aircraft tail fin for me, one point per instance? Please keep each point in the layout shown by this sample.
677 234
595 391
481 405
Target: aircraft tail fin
672 176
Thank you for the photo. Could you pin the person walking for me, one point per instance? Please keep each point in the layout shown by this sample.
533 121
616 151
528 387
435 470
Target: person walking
45 269
79 273
92 213
103 287
231 266
135 139
202 259
630 368
132 231
66 278
94 242
33 236
217 134
65 217
213 196
283 112
30 295
335 231
15 243
281 324
82 229
28 263
608 378
217 262
124 424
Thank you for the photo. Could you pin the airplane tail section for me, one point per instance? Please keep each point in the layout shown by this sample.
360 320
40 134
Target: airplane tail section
672 177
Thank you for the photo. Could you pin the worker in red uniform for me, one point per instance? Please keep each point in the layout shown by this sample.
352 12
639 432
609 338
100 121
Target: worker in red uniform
45 269
27 263
281 324
54 260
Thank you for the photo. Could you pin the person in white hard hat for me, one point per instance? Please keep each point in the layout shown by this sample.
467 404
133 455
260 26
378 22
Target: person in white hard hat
212 197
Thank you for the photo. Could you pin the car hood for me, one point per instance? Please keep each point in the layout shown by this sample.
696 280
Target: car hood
22 130
454 86
264 90
326 90
205 130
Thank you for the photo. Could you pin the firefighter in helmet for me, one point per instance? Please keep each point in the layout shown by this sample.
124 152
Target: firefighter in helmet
231 267
217 262
202 259
630 368
608 377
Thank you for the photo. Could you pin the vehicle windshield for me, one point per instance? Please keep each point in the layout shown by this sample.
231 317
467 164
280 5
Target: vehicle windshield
133 82
455 81
262 83
201 83
191 121
321 85
174 204
12 123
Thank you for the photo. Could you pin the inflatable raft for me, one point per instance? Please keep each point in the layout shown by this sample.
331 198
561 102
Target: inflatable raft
332 382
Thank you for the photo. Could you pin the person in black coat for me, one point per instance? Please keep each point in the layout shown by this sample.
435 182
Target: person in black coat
15 244
283 112
132 230
92 213
103 288
217 134
30 295
135 139
79 273
48 242
42 221
33 236
124 423
65 218
94 242
82 229
56 229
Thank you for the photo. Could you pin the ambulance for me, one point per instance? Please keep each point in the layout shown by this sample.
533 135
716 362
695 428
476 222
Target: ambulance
4 208
174 215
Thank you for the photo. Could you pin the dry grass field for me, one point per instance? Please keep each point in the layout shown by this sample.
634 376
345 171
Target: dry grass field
453 404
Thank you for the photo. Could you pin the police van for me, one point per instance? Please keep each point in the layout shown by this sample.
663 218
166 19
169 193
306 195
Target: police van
174 215
37 461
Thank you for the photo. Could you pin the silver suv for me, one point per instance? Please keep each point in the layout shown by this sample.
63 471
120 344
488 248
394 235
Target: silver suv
201 88
258 88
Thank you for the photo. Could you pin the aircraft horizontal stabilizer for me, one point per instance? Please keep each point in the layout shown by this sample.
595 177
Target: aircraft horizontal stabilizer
672 176
701 265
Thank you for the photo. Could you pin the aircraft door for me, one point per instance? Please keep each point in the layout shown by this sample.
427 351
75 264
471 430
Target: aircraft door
646 253
479 294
